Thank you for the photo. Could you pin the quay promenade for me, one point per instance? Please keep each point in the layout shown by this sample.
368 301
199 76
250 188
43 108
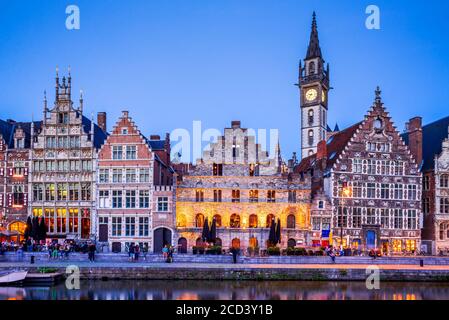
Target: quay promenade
195 267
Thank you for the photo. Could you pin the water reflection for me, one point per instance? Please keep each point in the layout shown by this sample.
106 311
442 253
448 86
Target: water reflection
230 290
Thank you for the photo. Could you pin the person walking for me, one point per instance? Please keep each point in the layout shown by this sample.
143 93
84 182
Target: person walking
165 252
234 252
92 249
136 252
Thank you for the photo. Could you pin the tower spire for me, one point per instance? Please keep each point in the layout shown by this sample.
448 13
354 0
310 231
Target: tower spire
378 93
314 50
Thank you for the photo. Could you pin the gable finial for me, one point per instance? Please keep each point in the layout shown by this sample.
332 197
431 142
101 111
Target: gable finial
378 93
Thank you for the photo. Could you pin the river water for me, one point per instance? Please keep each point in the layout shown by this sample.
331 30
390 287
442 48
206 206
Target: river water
229 290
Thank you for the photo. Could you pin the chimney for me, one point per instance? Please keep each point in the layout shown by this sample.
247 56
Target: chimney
155 137
101 121
414 129
321 155
235 124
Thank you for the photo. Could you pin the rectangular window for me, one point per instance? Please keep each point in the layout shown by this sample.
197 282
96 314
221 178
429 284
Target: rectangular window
356 217
117 175
271 196
444 205
103 198
104 176
385 191
411 220
292 196
62 192
117 152
370 216
398 168
85 191
116 226
316 223
162 204
357 165
144 199
50 192
357 189
398 219
144 175
18 199
342 219
398 191
86 165
143 226
130 175
426 183
199 195
217 195
130 198
116 198
411 192
371 190
371 166
130 226
131 152
253 195
235 195
385 218
384 168
217 169
73 191
38 192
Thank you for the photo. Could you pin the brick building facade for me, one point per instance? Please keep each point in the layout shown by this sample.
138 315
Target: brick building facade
134 189
430 144
15 143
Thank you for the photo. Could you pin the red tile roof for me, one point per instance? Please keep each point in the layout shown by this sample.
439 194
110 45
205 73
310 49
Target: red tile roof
335 145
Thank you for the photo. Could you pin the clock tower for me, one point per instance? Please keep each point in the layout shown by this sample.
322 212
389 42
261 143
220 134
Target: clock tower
313 85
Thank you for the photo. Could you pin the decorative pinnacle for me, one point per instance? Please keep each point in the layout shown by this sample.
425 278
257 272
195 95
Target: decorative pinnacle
57 71
378 95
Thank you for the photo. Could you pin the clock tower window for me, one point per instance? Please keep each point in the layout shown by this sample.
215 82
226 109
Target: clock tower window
310 117
310 137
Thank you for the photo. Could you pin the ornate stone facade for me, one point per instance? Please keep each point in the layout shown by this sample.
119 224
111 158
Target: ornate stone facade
63 155
243 193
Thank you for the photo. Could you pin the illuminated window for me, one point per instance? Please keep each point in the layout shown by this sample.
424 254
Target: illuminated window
234 221
199 220
217 218
269 220
253 195
253 221
291 221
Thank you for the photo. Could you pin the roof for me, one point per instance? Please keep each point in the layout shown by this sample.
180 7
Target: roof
156 144
335 145
433 136
99 135
7 129
314 50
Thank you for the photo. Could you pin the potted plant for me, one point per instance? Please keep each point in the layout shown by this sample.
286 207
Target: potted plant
273 251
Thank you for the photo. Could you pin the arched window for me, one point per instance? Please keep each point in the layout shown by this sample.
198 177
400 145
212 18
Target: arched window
291 243
310 137
253 243
291 221
235 243
310 119
234 221
253 221
199 220
312 68
444 181
181 221
217 218
270 219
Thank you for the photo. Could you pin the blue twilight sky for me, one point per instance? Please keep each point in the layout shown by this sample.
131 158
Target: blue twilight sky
170 62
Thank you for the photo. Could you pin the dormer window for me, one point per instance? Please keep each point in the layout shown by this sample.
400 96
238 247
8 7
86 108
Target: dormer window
20 143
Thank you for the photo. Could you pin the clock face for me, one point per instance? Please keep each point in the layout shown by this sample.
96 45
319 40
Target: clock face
311 94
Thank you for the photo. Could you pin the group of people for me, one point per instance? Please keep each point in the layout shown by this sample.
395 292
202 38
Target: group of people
134 251
167 253
60 251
